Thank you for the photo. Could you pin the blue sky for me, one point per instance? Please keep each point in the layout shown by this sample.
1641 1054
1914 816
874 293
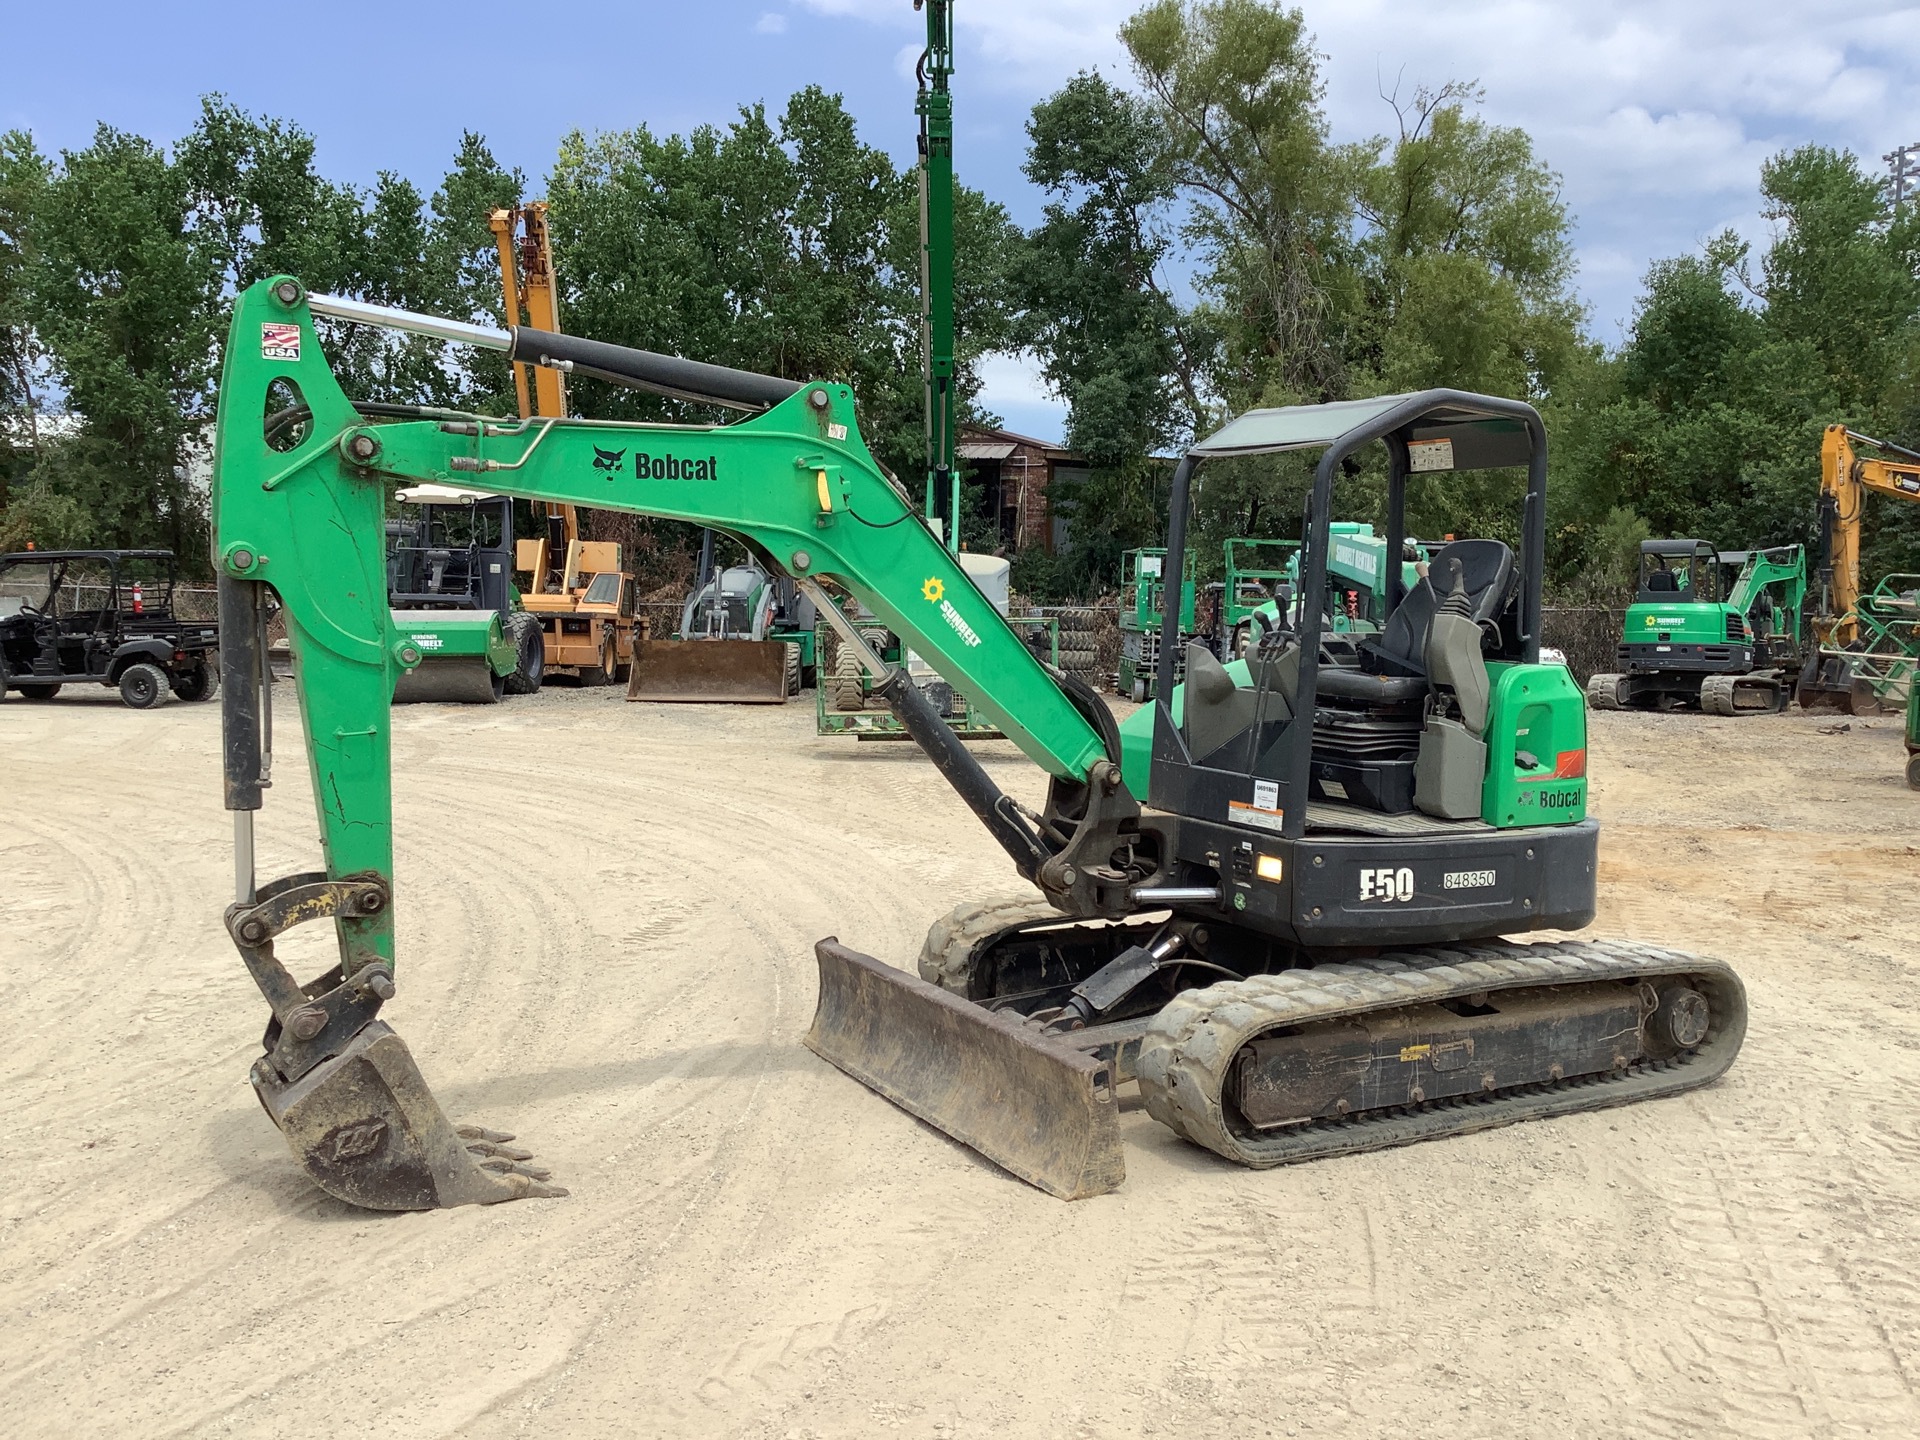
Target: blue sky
1657 115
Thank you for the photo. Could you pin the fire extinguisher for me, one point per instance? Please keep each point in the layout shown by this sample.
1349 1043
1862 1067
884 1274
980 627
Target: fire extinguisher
139 601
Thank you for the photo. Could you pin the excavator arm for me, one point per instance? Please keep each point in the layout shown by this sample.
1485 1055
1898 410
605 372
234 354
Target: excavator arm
299 510
1845 481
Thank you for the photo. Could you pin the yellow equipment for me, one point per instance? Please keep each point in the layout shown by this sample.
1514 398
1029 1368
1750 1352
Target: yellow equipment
1845 480
576 588
1867 644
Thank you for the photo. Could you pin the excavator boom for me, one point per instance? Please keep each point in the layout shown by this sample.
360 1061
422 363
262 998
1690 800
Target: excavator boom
299 510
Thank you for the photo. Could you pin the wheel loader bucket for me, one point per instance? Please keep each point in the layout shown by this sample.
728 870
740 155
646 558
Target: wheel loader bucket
370 1133
1028 1102
743 672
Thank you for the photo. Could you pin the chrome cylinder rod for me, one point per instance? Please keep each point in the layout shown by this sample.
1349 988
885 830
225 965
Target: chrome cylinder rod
411 321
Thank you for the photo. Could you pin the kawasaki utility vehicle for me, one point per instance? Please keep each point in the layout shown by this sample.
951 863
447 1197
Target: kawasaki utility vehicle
114 626
1277 899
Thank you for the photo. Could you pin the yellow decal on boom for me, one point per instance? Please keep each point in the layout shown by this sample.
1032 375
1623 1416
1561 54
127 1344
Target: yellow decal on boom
935 589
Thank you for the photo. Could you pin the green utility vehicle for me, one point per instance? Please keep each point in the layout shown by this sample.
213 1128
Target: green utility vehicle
1276 900
1913 735
1143 586
1695 638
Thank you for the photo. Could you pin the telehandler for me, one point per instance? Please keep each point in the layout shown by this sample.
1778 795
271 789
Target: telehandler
1284 977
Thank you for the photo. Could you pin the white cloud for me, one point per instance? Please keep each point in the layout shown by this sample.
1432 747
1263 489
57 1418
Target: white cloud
1011 379
1657 114
771 23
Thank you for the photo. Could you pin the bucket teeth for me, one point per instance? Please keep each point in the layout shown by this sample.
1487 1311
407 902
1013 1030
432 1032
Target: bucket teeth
369 1132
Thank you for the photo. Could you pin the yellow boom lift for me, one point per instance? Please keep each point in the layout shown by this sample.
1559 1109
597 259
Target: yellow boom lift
578 589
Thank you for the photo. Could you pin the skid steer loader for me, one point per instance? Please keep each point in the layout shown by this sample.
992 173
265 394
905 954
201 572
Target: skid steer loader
745 637
1277 899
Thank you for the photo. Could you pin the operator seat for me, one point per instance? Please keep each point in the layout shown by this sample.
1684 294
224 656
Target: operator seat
1450 771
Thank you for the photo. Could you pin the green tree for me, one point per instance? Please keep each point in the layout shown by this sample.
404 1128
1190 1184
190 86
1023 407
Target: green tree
24 173
786 247
1091 307
1708 422
1236 86
125 297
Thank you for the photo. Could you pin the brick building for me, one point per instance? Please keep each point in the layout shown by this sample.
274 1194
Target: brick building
1016 473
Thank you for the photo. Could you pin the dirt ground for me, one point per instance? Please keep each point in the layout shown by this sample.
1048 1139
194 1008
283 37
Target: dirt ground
607 913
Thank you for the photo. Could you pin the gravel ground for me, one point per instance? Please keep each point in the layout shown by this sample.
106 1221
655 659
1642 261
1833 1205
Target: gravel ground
606 914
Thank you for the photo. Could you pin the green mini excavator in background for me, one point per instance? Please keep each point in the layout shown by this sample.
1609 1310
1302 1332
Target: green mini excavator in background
1695 639
1285 972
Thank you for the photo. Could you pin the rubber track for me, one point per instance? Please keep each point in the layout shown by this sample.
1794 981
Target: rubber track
946 956
1717 693
1189 1049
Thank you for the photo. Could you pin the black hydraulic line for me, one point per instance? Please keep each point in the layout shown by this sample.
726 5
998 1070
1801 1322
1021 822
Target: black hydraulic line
281 420
240 697
646 370
954 761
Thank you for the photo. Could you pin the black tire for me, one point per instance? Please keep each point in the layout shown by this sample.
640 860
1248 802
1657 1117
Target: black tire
530 653
143 686
1913 771
793 668
31 690
196 684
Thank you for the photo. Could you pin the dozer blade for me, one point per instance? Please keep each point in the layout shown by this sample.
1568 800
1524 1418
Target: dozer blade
743 672
1026 1101
370 1133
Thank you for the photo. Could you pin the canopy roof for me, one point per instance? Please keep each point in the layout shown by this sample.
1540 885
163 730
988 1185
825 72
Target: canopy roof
1486 432
1677 547
41 557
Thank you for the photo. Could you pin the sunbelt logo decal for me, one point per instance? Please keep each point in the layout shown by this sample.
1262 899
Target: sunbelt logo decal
935 592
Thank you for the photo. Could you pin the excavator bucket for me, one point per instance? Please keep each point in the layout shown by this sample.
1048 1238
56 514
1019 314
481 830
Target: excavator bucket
746 672
369 1132
1028 1102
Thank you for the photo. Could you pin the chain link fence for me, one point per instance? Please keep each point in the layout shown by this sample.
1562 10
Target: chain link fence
1589 638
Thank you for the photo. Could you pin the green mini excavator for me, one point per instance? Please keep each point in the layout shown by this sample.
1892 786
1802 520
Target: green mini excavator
1696 638
1277 900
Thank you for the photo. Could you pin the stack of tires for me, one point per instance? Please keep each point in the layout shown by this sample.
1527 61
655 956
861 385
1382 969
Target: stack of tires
1079 644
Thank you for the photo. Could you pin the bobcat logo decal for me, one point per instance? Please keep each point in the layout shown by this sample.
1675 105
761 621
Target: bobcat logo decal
608 460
